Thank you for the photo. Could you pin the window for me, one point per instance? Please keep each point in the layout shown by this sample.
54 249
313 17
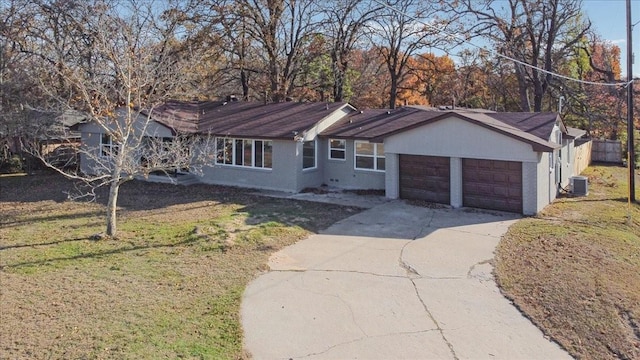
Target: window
560 143
337 149
309 154
369 156
262 153
108 148
244 152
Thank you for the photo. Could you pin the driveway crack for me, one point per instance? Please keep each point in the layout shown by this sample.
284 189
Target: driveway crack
339 271
470 274
360 339
405 265
438 328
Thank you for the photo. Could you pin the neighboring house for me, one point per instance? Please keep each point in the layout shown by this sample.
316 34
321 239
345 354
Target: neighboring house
47 134
514 162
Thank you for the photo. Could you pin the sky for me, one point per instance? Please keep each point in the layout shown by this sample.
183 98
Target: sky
609 19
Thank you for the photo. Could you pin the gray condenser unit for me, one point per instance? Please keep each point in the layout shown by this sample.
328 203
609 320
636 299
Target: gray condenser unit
579 185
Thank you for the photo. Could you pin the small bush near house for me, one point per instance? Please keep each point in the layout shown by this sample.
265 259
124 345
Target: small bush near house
11 165
575 269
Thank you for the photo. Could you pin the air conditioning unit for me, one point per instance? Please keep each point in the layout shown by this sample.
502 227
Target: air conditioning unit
579 185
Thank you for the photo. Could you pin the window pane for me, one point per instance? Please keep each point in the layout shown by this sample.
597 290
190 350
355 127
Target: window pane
238 152
337 154
219 151
364 148
364 162
228 151
247 153
380 149
337 144
308 154
106 139
380 163
268 146
257 152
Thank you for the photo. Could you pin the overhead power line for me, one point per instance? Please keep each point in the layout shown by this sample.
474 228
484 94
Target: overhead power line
497 54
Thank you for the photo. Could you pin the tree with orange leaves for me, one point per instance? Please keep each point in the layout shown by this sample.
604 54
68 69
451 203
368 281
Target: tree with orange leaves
427 76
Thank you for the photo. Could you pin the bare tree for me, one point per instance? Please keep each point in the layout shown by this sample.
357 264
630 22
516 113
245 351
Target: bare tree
345 25
402 30
132 63
540 33
16 84
282 28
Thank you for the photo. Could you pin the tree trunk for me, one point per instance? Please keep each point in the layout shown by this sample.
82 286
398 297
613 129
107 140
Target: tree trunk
244 80
537 99
111 208
525 105
393 92
338 86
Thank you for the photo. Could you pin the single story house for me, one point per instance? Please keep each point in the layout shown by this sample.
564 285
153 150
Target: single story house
515 162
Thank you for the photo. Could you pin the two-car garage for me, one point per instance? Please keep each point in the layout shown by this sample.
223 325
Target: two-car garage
467 158
486 184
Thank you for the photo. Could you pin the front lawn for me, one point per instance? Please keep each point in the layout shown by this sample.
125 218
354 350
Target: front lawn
169 287
575 269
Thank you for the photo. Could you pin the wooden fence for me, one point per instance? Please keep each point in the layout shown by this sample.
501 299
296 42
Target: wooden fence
609 151
582 155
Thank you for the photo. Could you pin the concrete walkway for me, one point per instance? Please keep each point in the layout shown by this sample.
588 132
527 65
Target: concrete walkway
393 282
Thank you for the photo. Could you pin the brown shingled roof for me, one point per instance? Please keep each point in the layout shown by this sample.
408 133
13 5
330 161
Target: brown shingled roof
244 119
377 123
539 124
374 125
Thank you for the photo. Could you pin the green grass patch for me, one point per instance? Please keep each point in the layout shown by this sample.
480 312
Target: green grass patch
169 286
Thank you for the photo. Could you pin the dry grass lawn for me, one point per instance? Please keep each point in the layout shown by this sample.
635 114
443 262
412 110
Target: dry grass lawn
168 287
575 269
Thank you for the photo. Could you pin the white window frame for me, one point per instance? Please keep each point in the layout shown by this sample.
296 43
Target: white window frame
231 159
375 156
315 155
107 148
343 150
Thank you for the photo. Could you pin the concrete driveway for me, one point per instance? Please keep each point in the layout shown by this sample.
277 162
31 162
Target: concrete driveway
393 282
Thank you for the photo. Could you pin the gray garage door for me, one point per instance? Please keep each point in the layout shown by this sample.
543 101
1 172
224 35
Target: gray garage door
492 184
425 178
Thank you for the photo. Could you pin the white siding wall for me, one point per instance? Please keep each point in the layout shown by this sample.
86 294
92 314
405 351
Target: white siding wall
308 178
455 173
568 153
281 177
342 173
546 188
91 134
530 196
392 179
90 144
454 137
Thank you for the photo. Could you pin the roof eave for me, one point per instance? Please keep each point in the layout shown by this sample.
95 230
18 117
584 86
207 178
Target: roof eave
537 147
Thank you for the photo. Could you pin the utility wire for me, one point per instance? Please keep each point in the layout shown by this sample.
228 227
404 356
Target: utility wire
464 40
